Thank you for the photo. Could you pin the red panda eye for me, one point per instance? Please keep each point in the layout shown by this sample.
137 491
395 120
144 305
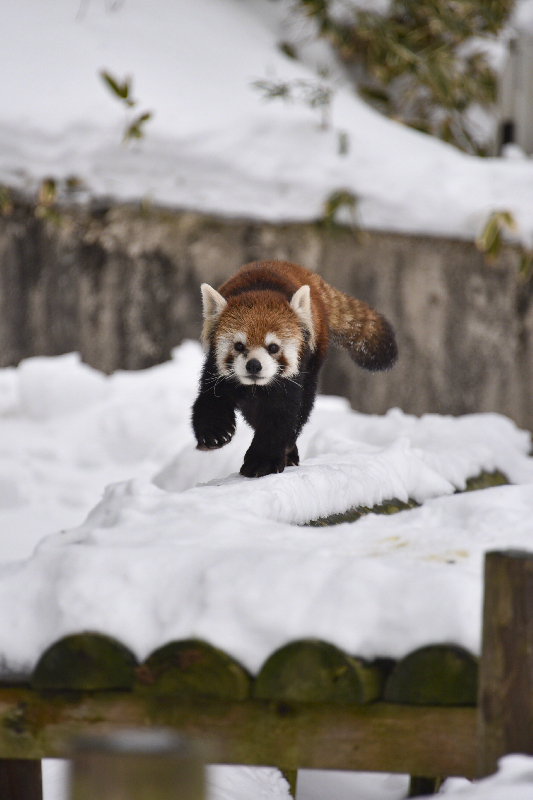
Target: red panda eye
239 347
273 348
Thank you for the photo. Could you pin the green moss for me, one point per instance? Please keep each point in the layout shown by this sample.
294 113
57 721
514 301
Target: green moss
485 480
353 514
310 670
434 675
85 662
192 668
482 481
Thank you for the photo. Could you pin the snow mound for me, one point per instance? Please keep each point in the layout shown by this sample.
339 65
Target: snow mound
181 545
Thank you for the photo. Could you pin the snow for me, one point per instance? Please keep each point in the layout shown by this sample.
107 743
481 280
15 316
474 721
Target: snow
213 143
105 502
184 546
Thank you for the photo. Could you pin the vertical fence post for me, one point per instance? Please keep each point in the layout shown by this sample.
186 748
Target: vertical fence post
20 779
291 776
137 764
505 701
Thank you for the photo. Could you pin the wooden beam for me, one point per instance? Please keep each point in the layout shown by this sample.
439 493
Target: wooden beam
376 737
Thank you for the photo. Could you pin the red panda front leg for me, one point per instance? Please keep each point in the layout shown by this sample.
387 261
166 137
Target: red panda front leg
258 462
213 412
275 422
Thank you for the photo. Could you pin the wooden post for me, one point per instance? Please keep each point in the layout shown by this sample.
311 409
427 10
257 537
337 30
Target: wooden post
291 776
138 764
20 779
420 786
505 702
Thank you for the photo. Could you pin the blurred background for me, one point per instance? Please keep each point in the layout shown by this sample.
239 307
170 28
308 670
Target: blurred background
148 146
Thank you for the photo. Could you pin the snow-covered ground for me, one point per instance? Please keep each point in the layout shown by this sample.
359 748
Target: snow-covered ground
213 143
182 559
180 545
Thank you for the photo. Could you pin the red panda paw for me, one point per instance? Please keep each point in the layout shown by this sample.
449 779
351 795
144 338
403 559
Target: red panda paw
255 466
293 459
214 439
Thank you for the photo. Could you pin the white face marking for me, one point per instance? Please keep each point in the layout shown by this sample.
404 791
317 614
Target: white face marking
271 338
291 351
225 346
268 370
233 360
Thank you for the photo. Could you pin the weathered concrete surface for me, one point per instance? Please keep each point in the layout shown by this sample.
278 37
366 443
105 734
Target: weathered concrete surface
121 286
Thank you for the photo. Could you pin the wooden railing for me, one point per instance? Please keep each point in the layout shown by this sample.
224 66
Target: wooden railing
436 712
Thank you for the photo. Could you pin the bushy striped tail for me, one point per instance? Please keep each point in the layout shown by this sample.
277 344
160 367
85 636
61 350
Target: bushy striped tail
366 335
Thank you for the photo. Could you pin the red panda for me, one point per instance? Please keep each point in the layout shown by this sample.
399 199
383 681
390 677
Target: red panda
266 332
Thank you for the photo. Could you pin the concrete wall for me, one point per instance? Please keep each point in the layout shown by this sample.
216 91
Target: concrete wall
121 286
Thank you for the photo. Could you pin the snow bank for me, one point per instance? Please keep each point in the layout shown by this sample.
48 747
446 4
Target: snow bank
181 545
512 781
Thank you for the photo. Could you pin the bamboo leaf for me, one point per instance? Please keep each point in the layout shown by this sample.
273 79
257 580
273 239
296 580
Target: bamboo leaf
121 90
134 129
412 56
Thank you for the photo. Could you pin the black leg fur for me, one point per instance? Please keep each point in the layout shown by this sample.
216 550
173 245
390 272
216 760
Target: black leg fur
276 412
213 413
292 459
273 413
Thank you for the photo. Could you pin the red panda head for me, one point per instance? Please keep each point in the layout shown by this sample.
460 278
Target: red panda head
257 336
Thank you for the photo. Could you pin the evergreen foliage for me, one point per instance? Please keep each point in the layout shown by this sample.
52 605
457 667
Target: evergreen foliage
422 61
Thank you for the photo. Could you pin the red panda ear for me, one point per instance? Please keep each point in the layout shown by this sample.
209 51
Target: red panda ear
301 304
212 301
213 304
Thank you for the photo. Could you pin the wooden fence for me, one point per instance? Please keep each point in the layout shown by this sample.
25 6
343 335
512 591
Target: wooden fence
437 712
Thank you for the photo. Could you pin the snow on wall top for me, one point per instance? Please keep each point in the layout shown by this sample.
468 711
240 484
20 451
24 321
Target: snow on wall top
213 144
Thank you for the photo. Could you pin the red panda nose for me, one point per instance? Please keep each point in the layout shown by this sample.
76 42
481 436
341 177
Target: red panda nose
253 366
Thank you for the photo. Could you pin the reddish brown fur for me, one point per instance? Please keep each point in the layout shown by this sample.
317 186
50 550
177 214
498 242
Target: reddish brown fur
258 313
273 382
351 323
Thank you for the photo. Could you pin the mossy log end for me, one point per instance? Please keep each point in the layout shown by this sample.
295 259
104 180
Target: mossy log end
434 675
85 662
311 670
192 668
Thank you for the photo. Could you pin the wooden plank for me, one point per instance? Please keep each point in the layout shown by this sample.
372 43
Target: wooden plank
506 669
420 786
377 737
20 779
